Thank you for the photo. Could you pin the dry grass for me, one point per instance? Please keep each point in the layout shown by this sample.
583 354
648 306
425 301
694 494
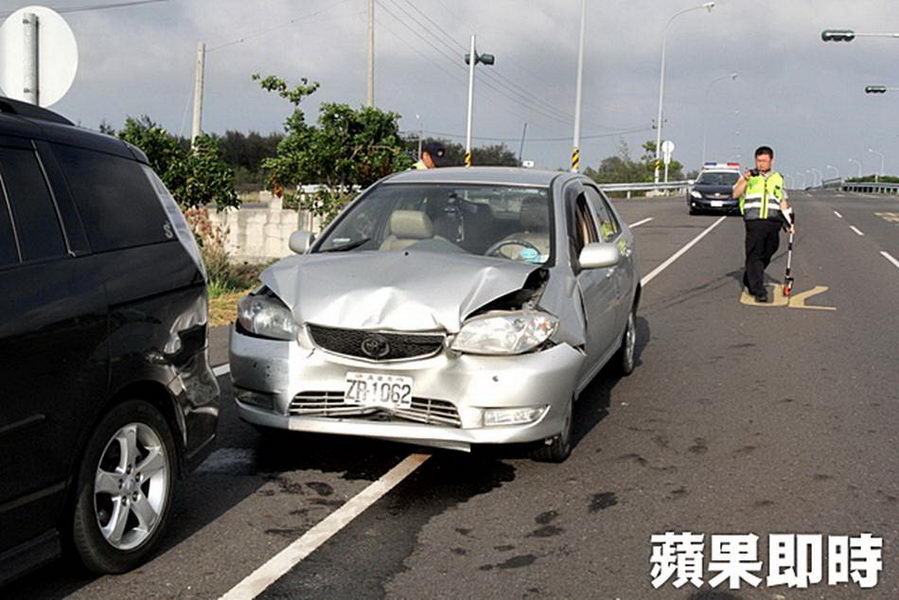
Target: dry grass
223 308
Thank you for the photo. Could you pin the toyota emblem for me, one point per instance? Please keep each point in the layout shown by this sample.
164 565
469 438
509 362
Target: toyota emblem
375 345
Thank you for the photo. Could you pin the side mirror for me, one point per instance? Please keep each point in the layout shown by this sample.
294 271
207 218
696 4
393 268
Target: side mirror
301 241
599 256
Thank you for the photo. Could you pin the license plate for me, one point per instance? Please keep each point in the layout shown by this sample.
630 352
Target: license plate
378 389
717 203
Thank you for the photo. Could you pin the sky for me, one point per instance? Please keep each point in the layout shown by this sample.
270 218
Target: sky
793 92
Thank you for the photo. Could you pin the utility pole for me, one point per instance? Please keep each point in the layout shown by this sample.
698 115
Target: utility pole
472 61
32 81
524 133
199 85
371 53
576 146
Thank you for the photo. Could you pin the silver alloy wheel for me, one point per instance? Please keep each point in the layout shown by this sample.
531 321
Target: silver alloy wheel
131 486
630 343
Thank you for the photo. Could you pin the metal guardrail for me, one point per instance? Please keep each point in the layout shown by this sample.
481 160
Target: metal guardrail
834 183
870 187
630 188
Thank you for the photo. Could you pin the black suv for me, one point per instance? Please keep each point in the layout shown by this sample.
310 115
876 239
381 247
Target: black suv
107 394
713 191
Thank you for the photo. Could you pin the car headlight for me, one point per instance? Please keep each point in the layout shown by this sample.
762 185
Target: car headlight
505 333
695 194
266 316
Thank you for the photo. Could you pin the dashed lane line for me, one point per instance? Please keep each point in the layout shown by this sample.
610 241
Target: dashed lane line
638 223
284 561
856 230
655 272
839 216
887 256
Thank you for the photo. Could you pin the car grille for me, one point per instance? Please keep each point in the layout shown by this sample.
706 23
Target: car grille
331 404
386 346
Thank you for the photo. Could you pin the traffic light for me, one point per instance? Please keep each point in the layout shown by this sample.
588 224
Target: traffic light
876 89
837 35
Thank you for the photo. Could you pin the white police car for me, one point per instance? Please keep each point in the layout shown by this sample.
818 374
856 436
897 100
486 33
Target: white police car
712 191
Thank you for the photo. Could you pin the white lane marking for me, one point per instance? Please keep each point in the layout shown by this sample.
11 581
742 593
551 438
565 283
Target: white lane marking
638 223
887 256
680 252
255 583
839 216
221 370
855 229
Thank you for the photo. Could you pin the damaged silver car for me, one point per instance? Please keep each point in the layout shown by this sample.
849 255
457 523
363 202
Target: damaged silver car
447 308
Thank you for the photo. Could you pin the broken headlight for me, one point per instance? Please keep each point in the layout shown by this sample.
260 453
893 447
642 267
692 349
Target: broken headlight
266 316
505 333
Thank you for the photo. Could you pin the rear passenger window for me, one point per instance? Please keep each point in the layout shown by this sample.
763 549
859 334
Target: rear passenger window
31 205
9 254
117 204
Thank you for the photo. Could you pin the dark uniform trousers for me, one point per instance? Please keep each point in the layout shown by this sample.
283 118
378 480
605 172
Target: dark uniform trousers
762 240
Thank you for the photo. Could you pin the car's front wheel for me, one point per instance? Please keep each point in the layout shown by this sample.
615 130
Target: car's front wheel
124 491
558 448
627 352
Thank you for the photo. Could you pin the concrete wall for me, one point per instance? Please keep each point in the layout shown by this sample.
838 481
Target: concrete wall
259 231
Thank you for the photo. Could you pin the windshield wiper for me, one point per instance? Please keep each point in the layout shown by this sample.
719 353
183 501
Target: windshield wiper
349 246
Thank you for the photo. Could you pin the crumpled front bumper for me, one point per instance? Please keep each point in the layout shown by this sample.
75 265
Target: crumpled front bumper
282 370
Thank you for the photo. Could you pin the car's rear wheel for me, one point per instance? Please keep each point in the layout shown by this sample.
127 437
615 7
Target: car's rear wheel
558 448
627 352
125 485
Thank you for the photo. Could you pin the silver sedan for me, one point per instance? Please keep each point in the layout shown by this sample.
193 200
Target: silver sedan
447 308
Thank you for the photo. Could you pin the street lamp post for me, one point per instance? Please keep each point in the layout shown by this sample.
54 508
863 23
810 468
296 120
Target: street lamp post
707 6
705 123
810 172
873 151
801 174
859 164
576 146
473 58
836 170
819 174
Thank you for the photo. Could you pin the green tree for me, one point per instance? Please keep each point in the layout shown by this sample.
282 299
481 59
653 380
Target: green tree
196 177
621 168
347 149
493 155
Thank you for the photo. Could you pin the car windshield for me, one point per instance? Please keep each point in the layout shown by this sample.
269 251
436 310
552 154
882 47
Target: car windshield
728 178
507 222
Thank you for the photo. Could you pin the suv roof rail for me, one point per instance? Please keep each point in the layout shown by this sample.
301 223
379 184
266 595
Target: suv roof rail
30 111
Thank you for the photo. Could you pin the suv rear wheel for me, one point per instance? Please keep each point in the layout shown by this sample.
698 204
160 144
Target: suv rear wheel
124 490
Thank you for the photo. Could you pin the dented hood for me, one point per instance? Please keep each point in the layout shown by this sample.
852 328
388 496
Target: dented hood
407 291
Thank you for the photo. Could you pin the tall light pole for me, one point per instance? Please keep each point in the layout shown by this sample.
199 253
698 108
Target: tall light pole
836 170
810 172
199 86
371 53
852 160
472 58
789 181
873 151
705 112
576 145
707 6
819 174
801 174
420 134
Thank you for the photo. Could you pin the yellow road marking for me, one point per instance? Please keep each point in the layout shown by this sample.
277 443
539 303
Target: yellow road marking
778 299
888 216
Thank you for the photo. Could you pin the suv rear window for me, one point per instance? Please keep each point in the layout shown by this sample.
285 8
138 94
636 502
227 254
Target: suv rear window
117 204
31 205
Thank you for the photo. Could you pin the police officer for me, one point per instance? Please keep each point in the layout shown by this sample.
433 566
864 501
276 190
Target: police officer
432 156
763 203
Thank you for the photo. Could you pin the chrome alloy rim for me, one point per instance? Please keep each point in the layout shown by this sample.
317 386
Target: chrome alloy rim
131 486
630 341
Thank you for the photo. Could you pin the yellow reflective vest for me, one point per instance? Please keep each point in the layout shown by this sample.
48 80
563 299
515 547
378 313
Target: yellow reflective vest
762 197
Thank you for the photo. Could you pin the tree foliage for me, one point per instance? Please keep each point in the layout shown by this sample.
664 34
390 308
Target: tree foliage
244 152
196 177
346 150
621 168
493 155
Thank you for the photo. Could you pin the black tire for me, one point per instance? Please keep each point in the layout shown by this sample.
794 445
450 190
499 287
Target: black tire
558 448
625 359
99 554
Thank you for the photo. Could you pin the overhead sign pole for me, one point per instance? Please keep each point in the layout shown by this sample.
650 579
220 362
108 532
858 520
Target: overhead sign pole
31 49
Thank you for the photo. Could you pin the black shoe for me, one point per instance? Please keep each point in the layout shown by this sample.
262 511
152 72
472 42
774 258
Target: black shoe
762 298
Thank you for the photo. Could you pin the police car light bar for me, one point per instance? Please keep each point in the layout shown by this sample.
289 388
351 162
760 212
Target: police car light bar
715 165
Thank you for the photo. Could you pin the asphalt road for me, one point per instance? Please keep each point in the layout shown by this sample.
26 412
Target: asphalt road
740 419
